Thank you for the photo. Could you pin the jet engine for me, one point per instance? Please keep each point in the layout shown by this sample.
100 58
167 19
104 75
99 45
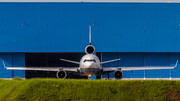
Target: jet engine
61 74
118 74
90 49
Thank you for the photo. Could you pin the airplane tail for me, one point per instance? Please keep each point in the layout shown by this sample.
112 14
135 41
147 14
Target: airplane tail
89 35
90 49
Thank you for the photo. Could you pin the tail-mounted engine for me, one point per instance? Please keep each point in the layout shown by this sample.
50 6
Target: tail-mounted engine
118 74
61 74
90 49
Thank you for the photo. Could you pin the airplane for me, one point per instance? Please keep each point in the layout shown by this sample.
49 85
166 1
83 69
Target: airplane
89 65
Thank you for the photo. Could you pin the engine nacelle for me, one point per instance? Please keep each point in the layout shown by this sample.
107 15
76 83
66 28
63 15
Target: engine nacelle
90 49
61 74
118 74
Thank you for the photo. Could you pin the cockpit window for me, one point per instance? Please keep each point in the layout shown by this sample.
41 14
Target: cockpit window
90 60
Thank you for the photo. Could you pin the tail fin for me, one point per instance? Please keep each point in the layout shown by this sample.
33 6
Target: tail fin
89 35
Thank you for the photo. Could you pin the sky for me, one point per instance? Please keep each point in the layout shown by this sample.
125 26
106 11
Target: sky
172 1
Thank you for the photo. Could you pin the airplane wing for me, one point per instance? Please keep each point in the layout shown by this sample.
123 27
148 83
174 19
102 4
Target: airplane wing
70 69
112 69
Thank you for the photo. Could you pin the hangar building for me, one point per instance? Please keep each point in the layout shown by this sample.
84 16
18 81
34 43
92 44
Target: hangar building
141 34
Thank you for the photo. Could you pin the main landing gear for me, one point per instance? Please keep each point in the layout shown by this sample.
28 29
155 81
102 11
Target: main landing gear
108 75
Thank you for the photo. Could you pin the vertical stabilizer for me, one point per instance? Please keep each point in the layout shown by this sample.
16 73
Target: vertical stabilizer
89 35
90 49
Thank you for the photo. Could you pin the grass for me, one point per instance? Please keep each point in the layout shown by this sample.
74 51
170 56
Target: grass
88 90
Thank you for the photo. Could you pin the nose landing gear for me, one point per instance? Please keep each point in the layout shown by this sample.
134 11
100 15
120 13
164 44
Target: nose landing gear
89 76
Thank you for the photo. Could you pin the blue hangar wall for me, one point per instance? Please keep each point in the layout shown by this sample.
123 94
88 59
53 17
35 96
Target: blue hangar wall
141 34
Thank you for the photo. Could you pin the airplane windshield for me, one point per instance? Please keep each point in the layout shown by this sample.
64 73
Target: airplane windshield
90 60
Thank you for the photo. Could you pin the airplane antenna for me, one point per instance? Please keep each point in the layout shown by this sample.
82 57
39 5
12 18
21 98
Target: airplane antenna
89 35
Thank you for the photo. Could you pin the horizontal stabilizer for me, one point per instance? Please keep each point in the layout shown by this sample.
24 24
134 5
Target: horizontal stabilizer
70 61
110 61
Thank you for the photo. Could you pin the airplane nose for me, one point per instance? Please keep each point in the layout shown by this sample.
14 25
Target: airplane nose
88 65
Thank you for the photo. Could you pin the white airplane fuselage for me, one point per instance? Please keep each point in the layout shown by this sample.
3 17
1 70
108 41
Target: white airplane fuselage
90 65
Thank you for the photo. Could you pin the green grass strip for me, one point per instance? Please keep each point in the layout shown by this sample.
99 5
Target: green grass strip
89 90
